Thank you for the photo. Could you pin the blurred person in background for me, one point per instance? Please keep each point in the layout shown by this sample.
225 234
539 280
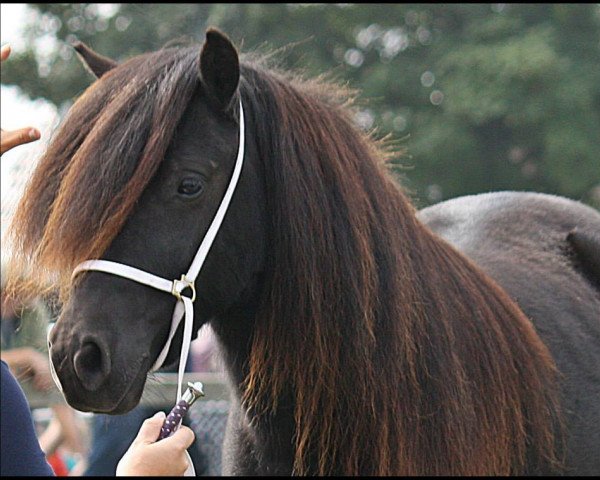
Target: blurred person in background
23 347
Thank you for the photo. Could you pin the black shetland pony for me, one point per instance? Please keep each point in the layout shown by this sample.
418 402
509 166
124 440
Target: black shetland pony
361 337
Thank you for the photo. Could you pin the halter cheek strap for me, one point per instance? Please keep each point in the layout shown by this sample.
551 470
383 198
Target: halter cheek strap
184 307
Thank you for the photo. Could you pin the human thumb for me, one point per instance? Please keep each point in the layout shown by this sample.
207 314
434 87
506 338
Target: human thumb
150 429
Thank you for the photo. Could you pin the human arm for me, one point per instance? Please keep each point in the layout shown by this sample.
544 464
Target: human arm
66 431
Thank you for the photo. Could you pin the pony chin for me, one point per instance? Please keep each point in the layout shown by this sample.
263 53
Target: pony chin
127 403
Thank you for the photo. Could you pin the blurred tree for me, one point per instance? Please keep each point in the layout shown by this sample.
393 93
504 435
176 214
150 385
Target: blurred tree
483 96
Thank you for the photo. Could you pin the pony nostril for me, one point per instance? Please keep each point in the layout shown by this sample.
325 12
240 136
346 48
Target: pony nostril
91 365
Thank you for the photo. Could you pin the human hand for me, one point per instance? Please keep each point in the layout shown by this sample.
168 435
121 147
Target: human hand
28 362
14 138
147 457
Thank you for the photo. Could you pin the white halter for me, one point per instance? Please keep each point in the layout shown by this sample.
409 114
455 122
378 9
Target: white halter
184 304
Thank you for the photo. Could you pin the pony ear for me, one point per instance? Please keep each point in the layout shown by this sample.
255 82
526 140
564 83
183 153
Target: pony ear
219 68
96 63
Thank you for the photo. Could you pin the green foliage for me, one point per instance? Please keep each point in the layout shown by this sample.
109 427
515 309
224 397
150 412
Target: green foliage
483 96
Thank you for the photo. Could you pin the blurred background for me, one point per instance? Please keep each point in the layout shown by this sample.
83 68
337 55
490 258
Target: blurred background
481 96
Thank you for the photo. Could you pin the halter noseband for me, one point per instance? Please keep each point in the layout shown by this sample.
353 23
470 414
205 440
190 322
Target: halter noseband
176 288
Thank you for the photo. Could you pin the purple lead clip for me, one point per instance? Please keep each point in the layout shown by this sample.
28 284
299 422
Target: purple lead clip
173 420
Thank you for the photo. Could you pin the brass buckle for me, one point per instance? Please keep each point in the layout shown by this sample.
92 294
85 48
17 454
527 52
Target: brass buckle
180 285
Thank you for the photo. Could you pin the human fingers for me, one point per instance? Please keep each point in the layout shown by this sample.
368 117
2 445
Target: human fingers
180 465
4 52
146 456
14 138
181 439
150 429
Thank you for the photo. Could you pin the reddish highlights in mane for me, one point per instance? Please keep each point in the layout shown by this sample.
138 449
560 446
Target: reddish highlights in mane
401 356
97 166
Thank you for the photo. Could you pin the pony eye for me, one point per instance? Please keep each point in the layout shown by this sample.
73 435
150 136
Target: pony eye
190 186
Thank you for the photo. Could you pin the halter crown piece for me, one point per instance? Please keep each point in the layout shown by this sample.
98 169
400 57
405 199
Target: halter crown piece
175 287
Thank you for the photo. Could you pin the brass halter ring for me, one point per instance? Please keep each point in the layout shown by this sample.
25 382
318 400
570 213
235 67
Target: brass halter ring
180 285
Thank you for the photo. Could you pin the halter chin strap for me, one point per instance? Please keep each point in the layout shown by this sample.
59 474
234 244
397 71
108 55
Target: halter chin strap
184 307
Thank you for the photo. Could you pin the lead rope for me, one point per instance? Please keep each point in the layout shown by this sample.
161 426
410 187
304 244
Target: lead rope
184 308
